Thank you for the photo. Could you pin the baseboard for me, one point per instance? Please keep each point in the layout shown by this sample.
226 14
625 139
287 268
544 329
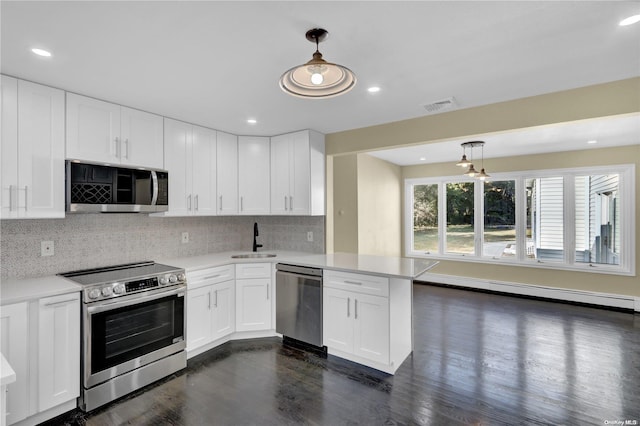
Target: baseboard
564 294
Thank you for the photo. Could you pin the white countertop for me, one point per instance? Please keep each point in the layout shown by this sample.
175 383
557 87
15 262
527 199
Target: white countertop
25 289
400 267
7 375
15 290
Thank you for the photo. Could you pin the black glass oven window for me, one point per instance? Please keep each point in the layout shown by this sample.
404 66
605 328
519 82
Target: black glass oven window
126 333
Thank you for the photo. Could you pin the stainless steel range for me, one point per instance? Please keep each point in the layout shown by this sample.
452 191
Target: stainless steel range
133 323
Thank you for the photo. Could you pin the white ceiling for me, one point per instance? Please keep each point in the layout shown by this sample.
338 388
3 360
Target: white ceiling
217 63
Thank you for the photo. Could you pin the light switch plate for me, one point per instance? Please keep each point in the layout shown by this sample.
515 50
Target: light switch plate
310 236
185 237
46 248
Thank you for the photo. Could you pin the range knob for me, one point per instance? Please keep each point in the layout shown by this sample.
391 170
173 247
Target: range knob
182 277
164 280
119 289
94 293
173 278
106 292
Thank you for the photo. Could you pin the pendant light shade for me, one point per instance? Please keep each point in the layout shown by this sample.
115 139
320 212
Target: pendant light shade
317 78
471 171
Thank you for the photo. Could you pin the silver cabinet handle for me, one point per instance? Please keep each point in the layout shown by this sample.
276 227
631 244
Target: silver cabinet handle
126 146
11 197
291 202
285 202
209 304
196 202
211 276
189 202
352 282
26 197
267 291
241 204
117 143
216 302
348 304
60 302
221 203
355 301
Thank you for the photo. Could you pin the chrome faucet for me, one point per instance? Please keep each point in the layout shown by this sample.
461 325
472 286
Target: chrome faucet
255 234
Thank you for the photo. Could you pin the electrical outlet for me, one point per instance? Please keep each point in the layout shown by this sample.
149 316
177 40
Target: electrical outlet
46 248
185 237
310 236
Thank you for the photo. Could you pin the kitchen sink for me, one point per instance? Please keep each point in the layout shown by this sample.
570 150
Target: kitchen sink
252 256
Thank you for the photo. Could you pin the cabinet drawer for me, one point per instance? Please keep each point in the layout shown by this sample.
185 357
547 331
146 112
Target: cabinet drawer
253 270
210 276
360 283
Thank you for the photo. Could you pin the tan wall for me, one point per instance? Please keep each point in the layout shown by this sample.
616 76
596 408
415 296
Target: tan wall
379 207
345 204
546 277
618 97
613 98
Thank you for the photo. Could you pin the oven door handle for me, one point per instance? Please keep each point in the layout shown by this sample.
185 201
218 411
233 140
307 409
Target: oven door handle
180 291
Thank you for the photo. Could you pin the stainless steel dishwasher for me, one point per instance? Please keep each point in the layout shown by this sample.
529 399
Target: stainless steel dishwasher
299 303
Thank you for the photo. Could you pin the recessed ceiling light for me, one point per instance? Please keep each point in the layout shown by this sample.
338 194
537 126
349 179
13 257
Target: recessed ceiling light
592 141
422 158
252 121
373 89
630 20
41 52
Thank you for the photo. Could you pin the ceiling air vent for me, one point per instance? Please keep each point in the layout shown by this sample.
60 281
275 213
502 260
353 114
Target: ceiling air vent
437 106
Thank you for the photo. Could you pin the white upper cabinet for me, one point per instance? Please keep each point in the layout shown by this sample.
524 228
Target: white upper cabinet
108 133
298 174
254 175
227 174
190 156
32 153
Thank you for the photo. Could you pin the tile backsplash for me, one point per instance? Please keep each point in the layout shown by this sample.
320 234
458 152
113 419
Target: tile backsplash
92 240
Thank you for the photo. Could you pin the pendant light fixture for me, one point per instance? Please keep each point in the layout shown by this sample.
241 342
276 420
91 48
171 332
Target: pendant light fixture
317 78
471 171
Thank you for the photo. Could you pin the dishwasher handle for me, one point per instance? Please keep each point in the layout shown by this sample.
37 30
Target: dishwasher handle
299 270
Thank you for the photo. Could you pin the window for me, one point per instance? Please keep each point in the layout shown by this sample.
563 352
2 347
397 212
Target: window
579 219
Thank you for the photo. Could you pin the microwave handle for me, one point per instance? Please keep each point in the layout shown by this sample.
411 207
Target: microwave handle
154 188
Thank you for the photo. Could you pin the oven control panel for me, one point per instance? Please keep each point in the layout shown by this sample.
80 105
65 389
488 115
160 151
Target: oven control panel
111 290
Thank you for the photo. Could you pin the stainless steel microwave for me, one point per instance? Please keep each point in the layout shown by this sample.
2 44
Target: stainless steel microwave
96 188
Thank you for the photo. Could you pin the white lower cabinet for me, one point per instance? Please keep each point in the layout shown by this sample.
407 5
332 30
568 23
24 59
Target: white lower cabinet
210 306
14 345
253 296
41 341
367 319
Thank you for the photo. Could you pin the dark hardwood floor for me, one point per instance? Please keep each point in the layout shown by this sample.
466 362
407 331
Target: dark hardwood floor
480 359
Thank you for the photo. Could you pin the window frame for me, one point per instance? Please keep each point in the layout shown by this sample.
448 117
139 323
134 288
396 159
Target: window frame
627 192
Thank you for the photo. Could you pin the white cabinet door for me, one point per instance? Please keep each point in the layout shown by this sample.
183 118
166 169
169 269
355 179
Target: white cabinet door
142 139
300 174
254 175
9 148
337 327
280 174
32 150
199 317
177 161
204 171
14 345
40 151
58 350
93 129
224 309
227 173
371 327
253 304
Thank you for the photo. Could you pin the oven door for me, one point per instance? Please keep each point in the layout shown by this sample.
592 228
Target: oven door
130 332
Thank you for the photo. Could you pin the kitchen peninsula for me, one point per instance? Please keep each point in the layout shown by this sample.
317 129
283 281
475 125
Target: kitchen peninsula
367 301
